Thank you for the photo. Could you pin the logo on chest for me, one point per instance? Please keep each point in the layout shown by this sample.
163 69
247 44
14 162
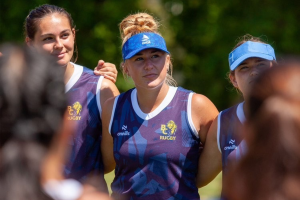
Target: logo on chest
125 132
167 131
74 111
231 145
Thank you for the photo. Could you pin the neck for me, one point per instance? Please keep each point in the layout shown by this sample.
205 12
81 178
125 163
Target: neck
150 99
69 72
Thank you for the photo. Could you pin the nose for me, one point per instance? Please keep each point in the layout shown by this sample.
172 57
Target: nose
148 64
254 71
58 44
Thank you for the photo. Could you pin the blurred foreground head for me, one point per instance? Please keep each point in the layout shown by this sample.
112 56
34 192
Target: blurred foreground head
271 167
32 104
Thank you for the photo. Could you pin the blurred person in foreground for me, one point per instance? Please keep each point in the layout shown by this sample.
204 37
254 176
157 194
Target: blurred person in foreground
271 167
34 129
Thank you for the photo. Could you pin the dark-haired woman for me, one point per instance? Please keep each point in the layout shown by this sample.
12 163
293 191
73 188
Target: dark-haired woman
225 141
50 29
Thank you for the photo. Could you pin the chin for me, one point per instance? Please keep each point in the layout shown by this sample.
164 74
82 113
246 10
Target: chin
62 63
154 85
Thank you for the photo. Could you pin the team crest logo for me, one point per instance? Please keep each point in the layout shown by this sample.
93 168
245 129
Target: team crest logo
74 111
168 130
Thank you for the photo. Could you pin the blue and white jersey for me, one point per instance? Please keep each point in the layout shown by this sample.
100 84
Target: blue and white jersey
230 137
157 153
83 91
230 123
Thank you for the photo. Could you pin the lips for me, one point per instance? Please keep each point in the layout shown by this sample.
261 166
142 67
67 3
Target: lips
60 55
252 80
150 75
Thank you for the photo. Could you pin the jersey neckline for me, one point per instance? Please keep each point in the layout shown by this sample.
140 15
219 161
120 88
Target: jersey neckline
74 78
240 112
168 98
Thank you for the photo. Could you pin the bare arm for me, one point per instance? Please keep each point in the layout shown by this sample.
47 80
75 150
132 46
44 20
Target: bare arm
204 113
210 161
108 91
107 140
108 70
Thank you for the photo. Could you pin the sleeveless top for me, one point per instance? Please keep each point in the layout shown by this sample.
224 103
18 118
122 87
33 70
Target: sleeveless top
230 122
156 154
84 109
230 138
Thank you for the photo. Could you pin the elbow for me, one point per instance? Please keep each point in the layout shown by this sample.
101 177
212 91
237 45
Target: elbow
109 168
201 181
201 184
106 171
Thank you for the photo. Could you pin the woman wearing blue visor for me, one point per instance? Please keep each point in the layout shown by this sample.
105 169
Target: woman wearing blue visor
225 144
152 133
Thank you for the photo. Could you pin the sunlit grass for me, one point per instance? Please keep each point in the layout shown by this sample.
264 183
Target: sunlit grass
209 192
212 190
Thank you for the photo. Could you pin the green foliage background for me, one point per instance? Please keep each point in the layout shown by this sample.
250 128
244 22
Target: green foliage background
199 34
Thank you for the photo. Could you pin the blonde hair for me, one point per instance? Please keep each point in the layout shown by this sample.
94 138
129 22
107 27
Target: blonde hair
141 23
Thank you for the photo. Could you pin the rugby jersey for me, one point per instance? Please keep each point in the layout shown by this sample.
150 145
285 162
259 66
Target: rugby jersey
83 91
157 153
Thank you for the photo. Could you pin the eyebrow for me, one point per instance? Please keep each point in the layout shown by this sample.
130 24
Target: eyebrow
243 63
155 50
261 60
49 34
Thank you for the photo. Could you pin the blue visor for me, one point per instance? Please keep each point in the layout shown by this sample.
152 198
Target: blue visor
248 50
143 41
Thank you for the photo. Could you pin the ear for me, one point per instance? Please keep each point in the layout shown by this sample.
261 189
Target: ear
168 60
28 41
233 79
125 69
74 32
273 63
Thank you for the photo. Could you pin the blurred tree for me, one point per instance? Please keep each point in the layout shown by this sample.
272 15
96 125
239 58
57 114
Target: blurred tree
96 23
207 30
199 34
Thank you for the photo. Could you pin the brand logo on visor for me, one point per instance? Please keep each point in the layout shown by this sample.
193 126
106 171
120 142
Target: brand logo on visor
145 40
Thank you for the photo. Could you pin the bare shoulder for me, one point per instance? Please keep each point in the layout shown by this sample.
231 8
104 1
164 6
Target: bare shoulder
108 90
106 83
203 114
200 101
